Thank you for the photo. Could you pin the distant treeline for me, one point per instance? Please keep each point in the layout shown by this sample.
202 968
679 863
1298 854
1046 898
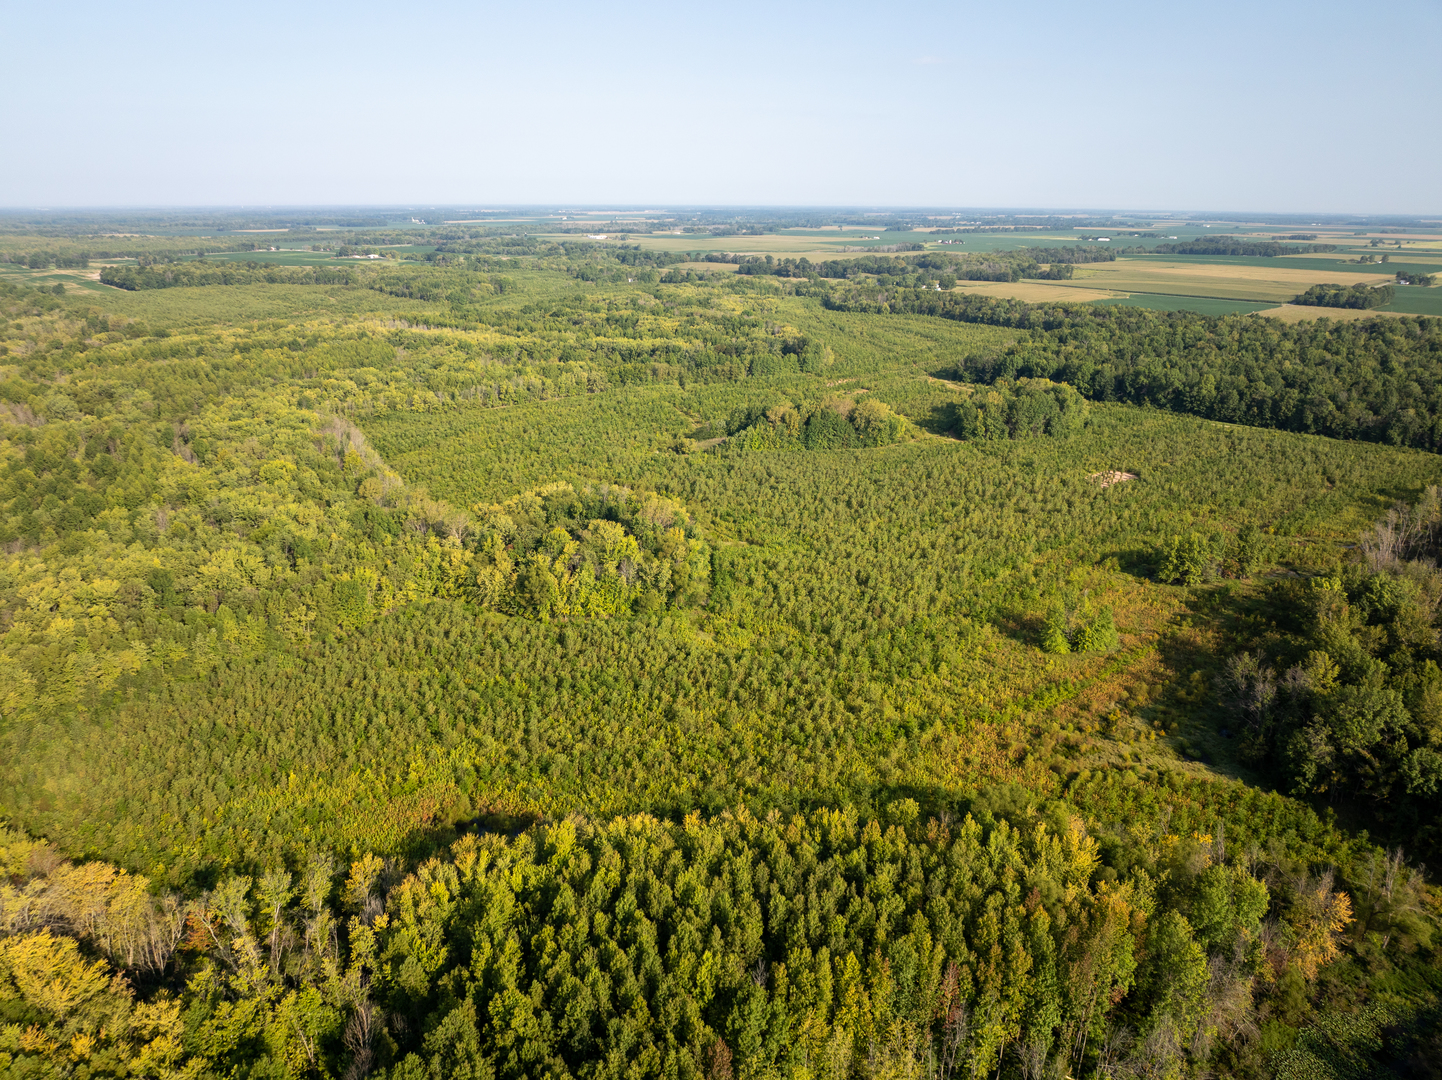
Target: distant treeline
176 275
600 262
69 256
991 229
1230 245
1342 296
1378 380
44 260
1375 381
888 247
946 269
877 298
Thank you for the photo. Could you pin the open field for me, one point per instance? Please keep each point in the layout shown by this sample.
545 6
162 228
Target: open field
73 278
1414 301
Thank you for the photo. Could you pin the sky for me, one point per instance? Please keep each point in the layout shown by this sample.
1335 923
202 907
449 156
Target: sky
1268 106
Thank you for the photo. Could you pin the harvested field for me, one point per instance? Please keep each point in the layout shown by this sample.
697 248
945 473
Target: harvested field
1036 292
1272 281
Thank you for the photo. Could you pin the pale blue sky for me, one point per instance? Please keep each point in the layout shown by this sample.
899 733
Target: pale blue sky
1305 107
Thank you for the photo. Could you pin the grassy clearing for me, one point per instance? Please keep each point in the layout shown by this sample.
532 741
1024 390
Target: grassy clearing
1295 313
73 278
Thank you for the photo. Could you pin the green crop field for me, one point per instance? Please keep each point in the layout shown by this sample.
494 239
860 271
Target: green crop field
1416 301
530 655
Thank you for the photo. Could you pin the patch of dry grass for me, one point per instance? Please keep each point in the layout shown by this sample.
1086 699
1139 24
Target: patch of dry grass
707 267
1295 313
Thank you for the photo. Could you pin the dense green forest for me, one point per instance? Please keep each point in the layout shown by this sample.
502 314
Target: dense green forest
836 423
929 268
526 657
1343 296
1359 380
1019 410
189 274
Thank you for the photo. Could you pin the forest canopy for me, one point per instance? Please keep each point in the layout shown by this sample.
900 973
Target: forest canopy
1376 380
1347 296
836 423
611 650
597 551
1020 409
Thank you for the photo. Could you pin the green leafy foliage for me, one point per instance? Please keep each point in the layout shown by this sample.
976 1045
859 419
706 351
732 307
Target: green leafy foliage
714 764
191 274
1343 296
1069 627
1198 558
836 423
1018 410
1346 700
1375 380
597 551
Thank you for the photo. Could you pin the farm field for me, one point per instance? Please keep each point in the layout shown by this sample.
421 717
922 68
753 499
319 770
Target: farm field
1201 305
1038 292
1326 264
1263 280
75 278
1415 301
561 657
